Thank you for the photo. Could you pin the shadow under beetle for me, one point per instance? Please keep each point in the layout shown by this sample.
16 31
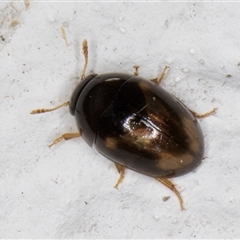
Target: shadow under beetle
136 124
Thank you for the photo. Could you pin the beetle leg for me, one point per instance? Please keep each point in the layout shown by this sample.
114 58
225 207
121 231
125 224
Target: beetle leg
204 114
43 110
160 78
136 70
65 136
85 54
170 185
121 171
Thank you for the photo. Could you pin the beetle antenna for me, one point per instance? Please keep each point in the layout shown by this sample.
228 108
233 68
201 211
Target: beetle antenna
85 54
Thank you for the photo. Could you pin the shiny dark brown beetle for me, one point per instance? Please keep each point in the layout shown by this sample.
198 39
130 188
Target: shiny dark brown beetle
136 124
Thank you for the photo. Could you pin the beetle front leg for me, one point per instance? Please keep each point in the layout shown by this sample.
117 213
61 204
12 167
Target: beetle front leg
121 171
171 186
65 136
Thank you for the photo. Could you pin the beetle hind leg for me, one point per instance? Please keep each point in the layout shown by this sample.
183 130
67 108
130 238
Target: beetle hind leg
197 115
121 171
171 186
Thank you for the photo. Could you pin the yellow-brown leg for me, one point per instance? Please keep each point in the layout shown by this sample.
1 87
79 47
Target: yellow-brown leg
168 184
43 110
160 78
65 136
121 171
136 70
85 54
204 114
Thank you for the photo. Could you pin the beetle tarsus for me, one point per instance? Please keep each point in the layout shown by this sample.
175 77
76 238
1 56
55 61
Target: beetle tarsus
44 110
121 171
65 136
171 186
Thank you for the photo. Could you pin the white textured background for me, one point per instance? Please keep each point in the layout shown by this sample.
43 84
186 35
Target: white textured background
67 191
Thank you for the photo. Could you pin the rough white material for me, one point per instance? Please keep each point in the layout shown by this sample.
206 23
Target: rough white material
67 191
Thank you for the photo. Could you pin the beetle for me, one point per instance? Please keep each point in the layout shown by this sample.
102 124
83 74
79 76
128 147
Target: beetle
136 124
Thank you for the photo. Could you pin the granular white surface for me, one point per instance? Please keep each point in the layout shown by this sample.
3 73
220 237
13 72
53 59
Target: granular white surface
67 191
